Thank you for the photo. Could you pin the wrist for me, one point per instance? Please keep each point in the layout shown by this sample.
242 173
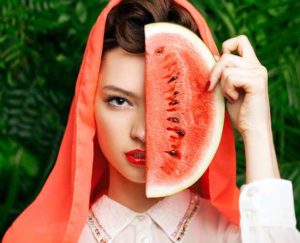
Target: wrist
262 130
260 154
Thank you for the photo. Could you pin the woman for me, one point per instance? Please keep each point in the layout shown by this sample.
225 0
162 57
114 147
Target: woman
81 202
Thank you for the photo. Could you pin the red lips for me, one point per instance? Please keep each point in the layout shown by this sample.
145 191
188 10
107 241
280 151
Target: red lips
136 157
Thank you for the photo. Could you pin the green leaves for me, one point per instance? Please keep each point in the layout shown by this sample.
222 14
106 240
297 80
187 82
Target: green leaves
81 12
18 170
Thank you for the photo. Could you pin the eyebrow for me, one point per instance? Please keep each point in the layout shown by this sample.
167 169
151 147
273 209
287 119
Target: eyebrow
115 88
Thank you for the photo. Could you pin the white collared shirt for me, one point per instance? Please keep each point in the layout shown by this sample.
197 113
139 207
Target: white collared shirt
266 207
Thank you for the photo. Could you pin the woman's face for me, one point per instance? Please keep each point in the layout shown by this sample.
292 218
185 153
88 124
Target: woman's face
119 110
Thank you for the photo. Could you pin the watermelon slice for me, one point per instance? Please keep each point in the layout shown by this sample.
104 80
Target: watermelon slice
184 123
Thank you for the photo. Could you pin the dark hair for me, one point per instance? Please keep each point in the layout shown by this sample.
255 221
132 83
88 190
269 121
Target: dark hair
125 22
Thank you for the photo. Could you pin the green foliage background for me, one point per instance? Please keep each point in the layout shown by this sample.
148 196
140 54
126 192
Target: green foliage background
41 46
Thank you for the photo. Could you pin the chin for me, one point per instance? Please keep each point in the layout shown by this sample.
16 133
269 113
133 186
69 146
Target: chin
130 174
136 178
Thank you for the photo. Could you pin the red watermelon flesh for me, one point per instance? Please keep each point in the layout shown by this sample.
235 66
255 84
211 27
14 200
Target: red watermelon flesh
184 122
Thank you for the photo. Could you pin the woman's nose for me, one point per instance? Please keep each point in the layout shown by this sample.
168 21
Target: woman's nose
138 133
138 129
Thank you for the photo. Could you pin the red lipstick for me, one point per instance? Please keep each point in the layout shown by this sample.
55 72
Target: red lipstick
136 157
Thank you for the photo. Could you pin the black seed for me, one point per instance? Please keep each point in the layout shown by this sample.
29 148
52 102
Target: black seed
173 153
181 133
176 93
173 119
172 79
173 102
159 50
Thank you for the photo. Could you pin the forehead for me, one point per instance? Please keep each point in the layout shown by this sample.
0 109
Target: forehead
121 68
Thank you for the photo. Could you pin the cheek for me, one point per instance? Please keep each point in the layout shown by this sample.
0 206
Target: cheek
112 129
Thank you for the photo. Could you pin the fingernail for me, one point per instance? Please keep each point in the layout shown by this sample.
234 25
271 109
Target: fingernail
207 85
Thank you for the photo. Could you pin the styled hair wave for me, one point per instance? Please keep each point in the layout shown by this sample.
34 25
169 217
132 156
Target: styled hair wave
125 22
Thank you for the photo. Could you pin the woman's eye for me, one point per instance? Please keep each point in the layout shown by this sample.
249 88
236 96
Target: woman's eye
117 101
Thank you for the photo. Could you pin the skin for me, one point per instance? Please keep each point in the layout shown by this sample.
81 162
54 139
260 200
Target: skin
121 123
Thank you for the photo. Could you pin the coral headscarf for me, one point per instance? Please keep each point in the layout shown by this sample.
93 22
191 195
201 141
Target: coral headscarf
59 212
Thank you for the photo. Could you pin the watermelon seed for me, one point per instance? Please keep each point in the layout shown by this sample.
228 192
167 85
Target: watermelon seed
173 119
173 153
181 133
159 50
173 102
172 79
176 93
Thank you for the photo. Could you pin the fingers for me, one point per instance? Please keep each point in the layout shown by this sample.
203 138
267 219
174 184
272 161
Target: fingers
226 60
242 45
245 59
235 78
232 78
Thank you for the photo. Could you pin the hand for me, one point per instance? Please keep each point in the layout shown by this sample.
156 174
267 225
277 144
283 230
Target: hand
244 83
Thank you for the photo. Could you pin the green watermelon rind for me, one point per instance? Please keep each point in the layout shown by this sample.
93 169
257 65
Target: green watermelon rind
167 28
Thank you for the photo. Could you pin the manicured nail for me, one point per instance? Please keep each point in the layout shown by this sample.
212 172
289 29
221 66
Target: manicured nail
207 85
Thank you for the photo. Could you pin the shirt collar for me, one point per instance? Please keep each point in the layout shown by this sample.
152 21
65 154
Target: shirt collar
168 213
